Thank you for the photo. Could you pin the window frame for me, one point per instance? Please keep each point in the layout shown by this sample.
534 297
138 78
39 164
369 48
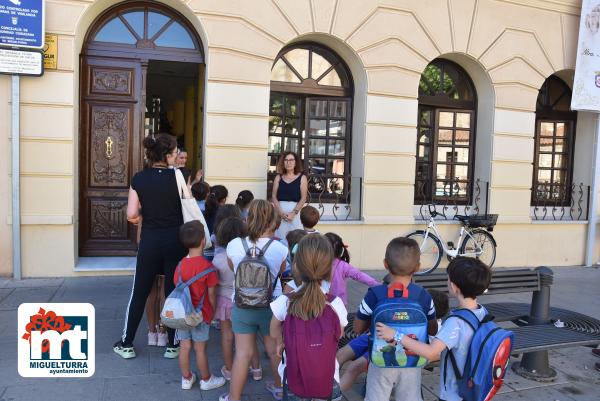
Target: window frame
442 103
306 91
145 48
547 113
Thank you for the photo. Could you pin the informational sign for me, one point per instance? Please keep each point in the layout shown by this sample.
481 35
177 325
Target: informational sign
50 52
22 23
21 62
586 86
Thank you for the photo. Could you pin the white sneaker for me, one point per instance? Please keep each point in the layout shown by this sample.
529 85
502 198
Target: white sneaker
162 339
152 338
212 383
187 384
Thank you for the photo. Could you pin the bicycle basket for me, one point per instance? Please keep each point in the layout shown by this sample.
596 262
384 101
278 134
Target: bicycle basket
486 220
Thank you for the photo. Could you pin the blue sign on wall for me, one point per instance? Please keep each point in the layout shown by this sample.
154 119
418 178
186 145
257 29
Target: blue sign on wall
22 23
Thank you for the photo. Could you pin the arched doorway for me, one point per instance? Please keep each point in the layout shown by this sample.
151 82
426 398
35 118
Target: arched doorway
142 68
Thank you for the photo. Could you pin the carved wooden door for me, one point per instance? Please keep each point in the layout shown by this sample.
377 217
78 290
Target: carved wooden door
110 153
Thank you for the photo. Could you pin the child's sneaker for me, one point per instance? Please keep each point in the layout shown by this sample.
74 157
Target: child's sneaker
226 373
125 351
162 339
171 352
212 383
187 384
152 338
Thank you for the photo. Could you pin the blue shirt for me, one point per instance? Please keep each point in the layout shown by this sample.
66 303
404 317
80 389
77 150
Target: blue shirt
378 293
456 335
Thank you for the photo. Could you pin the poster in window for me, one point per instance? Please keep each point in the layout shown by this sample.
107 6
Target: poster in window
586 87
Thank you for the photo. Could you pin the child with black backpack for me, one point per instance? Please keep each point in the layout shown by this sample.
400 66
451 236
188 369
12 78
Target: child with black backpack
474 351
408 308
257 261
307 324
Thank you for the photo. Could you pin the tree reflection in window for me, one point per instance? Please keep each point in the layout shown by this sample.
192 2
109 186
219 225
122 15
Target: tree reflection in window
445 134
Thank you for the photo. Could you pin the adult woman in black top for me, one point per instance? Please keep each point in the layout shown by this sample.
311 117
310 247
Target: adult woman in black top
153 198
290 191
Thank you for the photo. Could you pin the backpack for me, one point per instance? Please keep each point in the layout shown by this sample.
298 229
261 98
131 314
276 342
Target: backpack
310 349
253 279
406 316
178 311
487 360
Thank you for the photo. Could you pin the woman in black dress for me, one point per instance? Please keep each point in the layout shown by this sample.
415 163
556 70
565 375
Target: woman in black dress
153 198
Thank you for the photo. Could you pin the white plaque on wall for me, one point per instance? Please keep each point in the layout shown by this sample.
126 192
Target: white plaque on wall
586 86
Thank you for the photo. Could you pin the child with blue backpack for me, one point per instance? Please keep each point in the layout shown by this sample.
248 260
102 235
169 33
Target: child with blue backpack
467 341
202 292
405 306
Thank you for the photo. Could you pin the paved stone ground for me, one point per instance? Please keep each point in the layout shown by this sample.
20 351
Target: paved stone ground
151 377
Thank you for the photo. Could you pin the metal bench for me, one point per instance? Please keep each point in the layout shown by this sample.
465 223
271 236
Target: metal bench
537 333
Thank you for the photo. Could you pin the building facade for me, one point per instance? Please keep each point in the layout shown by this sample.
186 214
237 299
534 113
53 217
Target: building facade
393 105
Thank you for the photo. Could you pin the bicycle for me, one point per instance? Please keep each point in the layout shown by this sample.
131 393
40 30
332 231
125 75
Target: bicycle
474 240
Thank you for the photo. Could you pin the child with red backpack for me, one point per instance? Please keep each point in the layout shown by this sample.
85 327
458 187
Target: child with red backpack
307 325
406 307
474 351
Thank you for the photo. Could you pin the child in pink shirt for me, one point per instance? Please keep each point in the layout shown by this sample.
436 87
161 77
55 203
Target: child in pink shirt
341 269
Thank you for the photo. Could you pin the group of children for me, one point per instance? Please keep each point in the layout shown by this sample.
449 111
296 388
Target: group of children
309 272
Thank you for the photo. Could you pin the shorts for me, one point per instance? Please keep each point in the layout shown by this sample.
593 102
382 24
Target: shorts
360 346
335 395
198 334
224 307
251 321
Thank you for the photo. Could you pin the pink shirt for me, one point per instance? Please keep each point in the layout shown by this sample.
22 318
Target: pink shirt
340 271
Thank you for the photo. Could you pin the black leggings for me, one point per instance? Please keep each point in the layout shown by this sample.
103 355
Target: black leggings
159 253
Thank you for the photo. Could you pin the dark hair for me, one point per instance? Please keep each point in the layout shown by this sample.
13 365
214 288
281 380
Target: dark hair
218 193
293 237
470 275
229 229
158 147
244 198
309 216
191 234
339 248
224 212
440 302
200 190
281 164
402 256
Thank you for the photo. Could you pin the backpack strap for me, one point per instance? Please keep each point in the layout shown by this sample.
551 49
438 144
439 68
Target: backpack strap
178 272
198 276
264 248
467 316
392 288
246 247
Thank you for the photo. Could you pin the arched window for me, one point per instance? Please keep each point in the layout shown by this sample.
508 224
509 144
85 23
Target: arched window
445 134
146 28
310 113
554 144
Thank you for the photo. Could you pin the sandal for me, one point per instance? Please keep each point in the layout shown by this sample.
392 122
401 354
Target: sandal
257 374
276 392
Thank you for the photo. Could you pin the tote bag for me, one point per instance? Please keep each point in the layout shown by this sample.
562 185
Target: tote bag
189 206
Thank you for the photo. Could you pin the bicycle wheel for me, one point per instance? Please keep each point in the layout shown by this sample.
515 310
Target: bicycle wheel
480 245
431 251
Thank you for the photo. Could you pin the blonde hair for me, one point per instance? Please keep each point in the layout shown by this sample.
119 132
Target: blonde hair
312 264
261 218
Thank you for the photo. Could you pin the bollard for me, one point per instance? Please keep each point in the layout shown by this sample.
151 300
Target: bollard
535 365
